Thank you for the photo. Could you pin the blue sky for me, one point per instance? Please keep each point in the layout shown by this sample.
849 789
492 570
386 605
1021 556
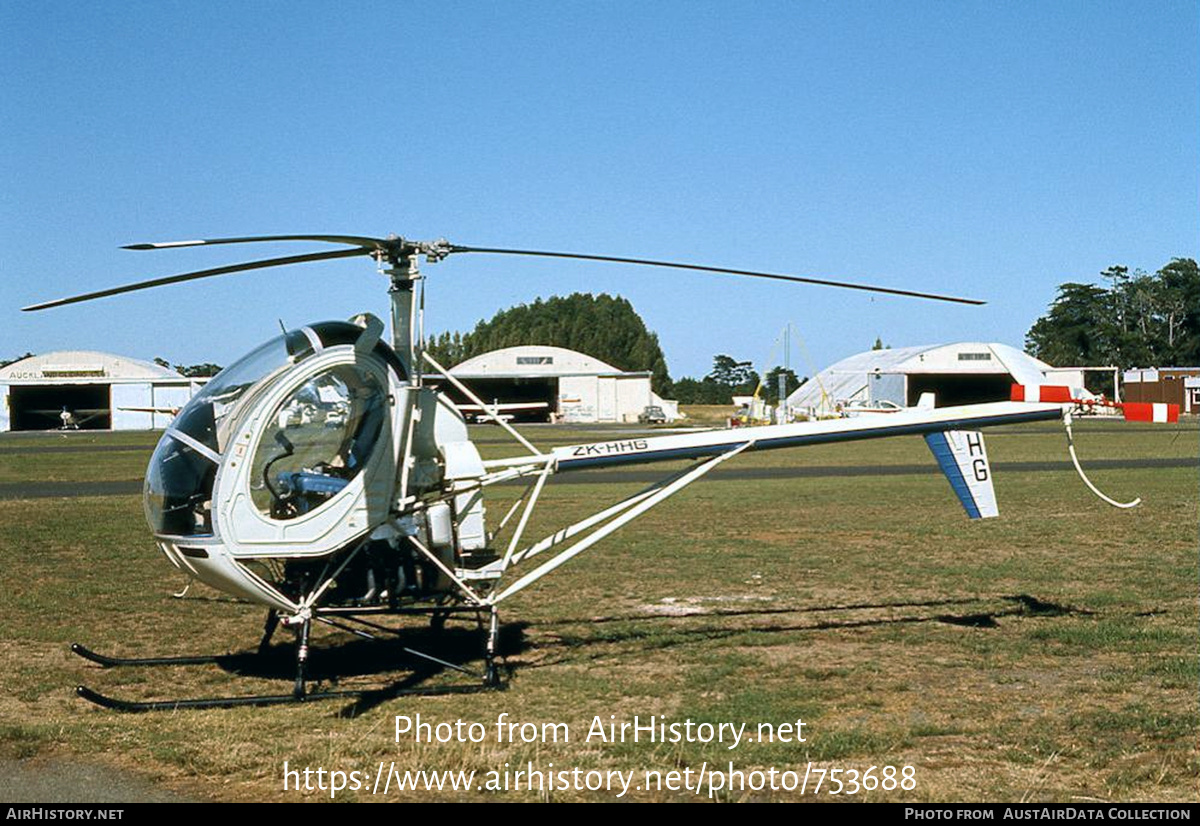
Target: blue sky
993 150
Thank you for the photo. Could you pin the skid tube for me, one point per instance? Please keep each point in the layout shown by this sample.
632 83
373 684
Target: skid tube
490 678
115 662
137 706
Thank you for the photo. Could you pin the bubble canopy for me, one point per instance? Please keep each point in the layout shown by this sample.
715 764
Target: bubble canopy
317 439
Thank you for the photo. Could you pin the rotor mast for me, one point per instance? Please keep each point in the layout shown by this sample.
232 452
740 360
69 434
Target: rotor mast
404 273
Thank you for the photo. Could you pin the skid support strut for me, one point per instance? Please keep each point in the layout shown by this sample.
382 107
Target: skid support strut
491 675
301 657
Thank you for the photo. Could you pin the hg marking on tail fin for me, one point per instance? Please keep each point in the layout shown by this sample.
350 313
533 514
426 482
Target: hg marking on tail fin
963 458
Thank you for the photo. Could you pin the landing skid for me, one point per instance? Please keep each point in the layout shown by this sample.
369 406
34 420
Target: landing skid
114 662
490 678
207 702
135 706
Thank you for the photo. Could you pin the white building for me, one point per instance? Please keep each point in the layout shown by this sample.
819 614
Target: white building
100 391
575 387
962 373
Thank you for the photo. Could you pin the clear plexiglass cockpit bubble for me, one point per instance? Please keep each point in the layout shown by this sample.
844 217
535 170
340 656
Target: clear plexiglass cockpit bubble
336 418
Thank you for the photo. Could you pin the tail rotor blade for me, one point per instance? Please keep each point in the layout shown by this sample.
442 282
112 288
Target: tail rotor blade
723 270
192 276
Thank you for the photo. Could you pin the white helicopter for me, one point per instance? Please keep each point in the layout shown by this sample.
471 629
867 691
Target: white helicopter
321 477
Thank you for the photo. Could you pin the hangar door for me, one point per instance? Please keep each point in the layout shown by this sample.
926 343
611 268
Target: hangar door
960 388
606 399
40 407
543 391
126 397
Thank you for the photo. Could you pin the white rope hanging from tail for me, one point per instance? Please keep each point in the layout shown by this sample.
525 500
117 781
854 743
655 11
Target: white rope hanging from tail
1083 476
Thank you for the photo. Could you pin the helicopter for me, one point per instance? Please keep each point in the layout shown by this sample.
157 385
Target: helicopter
325 477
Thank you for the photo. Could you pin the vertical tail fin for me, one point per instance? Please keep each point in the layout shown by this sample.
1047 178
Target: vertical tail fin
963 458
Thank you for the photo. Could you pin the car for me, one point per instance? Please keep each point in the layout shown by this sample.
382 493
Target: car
652 414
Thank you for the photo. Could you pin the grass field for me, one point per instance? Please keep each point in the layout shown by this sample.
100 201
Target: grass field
1049 655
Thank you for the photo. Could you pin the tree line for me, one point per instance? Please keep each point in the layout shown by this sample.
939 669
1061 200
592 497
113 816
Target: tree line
602 326
1138 320
192 371
5 362
730 377
608 328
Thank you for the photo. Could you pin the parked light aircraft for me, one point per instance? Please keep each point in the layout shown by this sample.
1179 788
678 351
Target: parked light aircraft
371 502
69 418
506 410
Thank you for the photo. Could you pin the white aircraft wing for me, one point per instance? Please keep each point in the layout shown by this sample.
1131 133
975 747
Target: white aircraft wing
471 408
173 411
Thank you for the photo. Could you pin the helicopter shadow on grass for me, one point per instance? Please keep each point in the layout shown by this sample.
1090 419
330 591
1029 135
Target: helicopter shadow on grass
698 626
331 662
461 648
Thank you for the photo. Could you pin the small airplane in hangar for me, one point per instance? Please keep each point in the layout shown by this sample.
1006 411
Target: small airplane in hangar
507 411
381 513
68 418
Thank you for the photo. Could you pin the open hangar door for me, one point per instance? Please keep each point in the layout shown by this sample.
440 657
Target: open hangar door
512 391
952 389
40 407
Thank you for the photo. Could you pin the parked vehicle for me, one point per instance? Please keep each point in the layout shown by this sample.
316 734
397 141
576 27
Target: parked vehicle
652 414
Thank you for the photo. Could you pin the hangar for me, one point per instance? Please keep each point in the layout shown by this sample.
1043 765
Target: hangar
962 373
575 387
101 391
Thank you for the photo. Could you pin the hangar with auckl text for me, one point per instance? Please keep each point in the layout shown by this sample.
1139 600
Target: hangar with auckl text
96 391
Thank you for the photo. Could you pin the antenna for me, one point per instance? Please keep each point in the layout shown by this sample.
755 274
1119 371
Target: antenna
784 413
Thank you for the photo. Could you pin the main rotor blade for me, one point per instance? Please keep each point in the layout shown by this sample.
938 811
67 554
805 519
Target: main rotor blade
697 267
353 240
191 276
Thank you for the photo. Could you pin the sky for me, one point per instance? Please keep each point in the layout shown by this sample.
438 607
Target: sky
990 150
